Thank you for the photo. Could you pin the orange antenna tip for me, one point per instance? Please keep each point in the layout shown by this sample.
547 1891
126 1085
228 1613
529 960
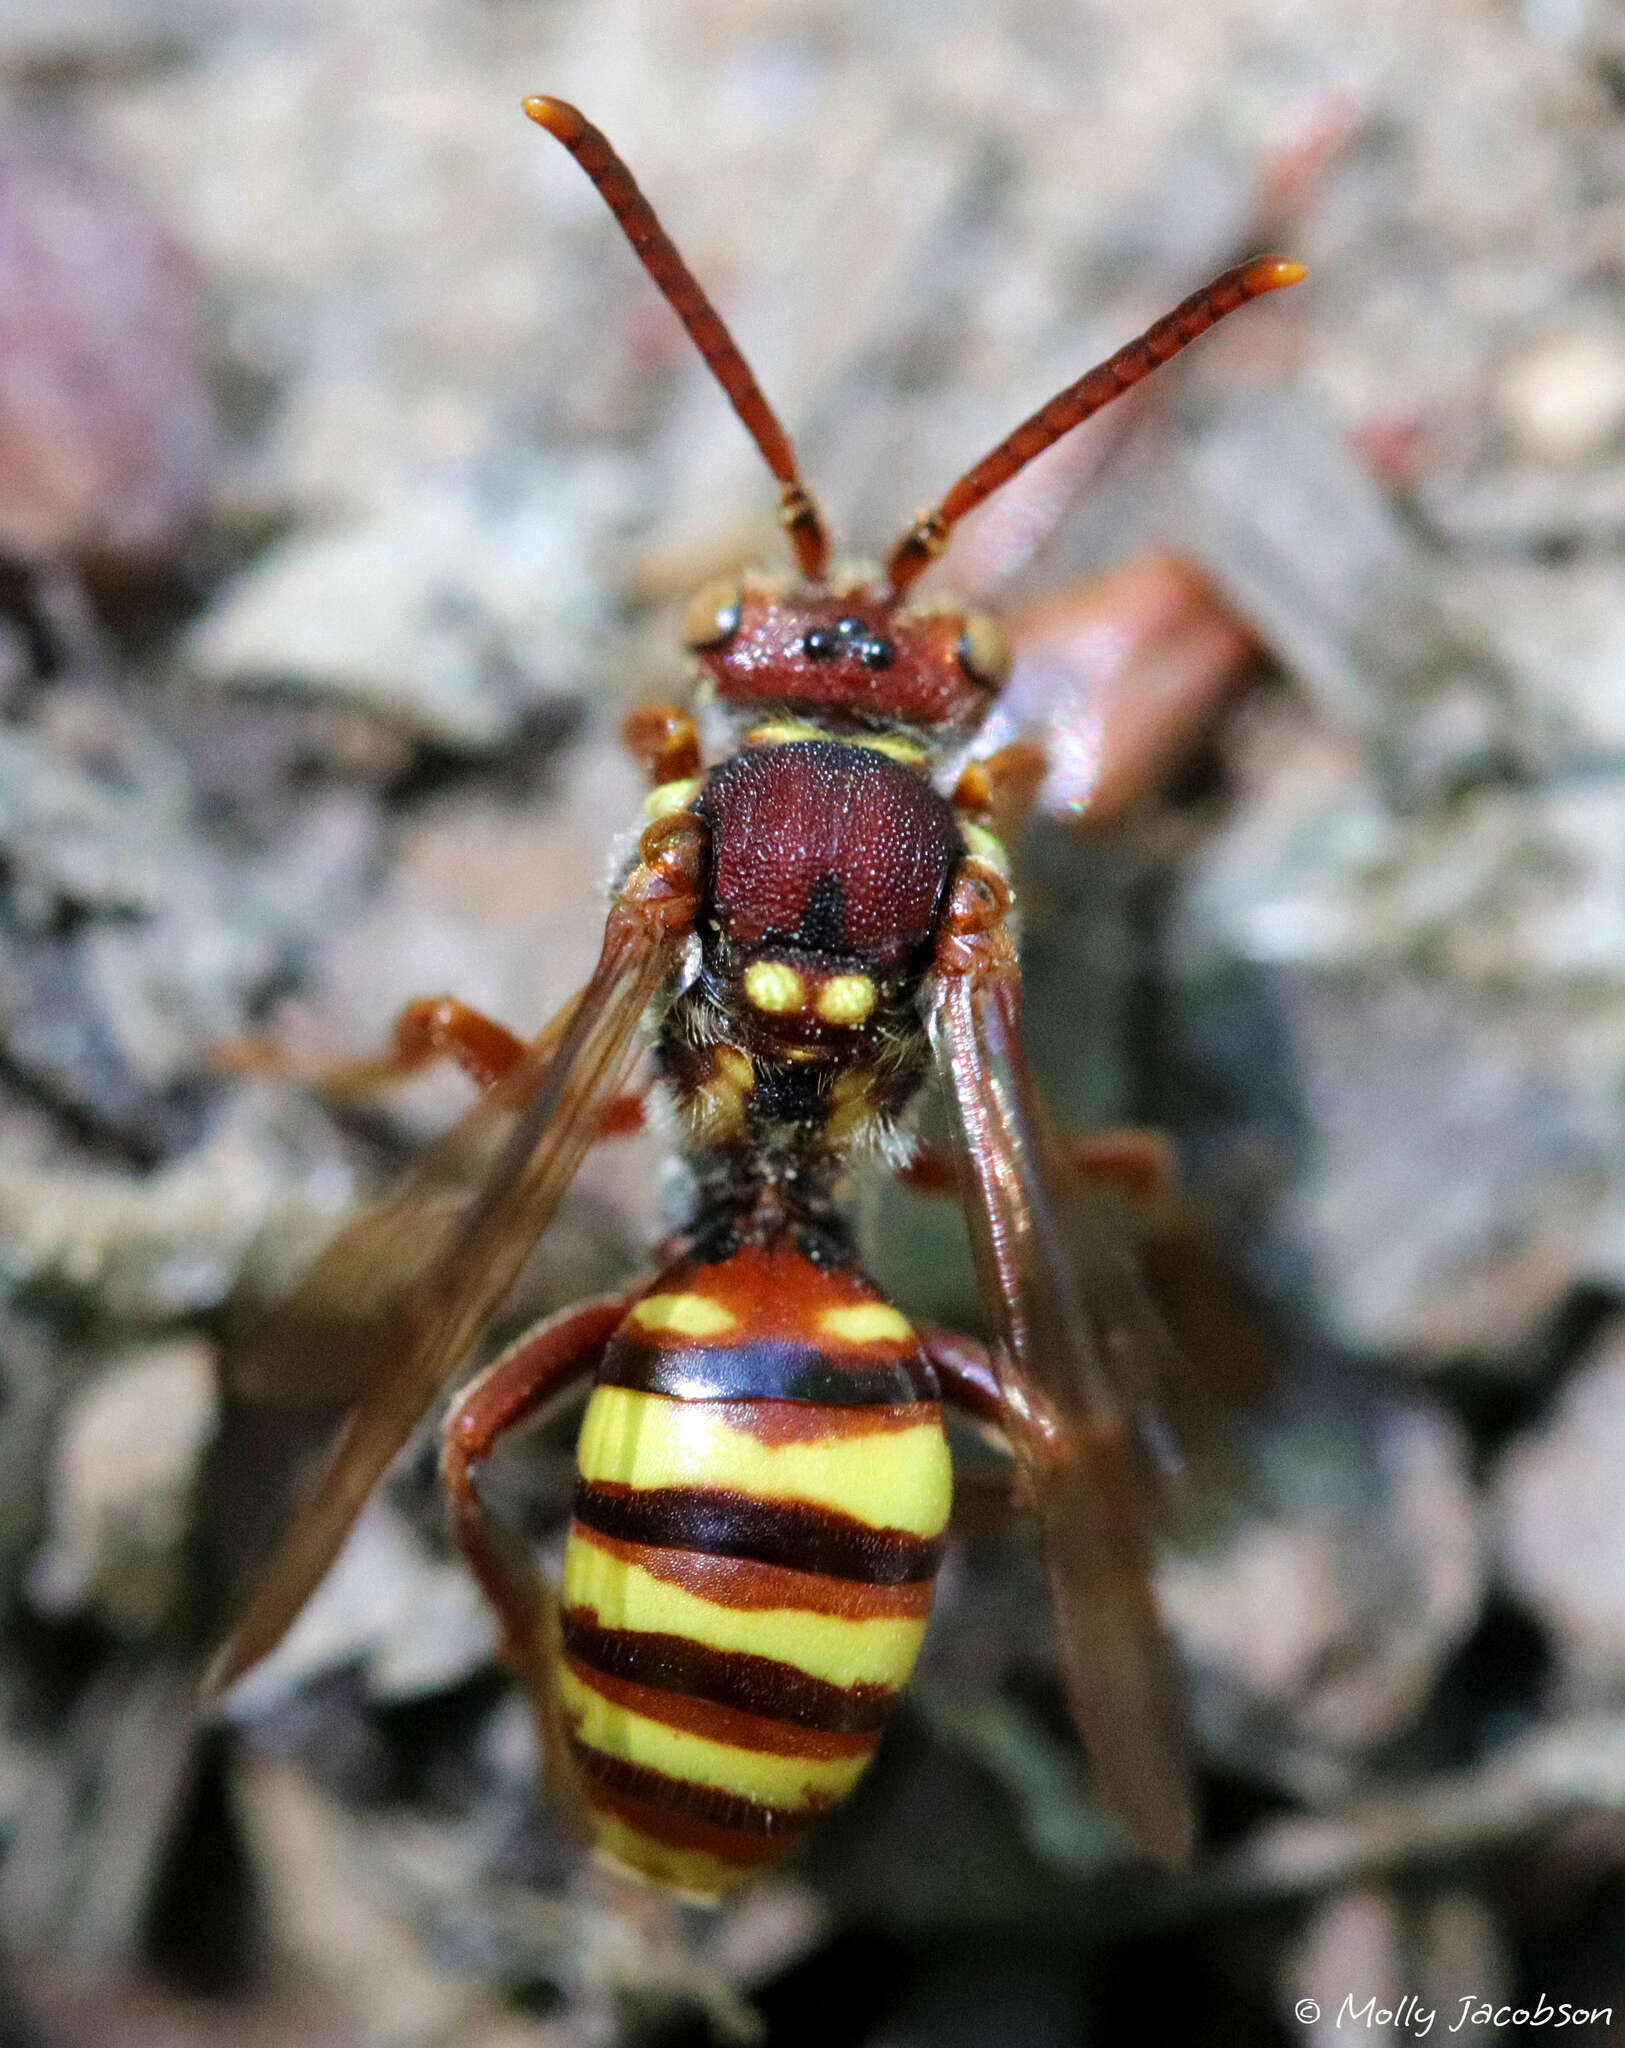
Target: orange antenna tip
1270 273
558 117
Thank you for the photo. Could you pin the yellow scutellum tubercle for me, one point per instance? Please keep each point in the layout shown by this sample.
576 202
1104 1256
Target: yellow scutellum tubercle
772 986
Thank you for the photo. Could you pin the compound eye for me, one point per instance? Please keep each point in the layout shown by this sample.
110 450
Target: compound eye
712 617
984 651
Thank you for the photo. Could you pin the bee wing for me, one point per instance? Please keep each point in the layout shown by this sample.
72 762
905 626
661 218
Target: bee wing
338 1331
478 1204
1079 1351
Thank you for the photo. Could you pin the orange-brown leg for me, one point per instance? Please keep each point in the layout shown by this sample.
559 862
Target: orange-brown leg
431 1028
999 790
965 1370
985 1496
664 740
512 1389
1137 1163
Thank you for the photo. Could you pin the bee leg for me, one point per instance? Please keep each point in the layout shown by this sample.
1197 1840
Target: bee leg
1137 1163
987 1498
998 791
986 1495
664 740
626 1115
966 1371
511 1390
431 1028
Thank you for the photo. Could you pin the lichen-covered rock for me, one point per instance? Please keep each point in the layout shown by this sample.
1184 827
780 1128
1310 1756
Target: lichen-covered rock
413 1622
124 1466
450 612
133 943
146 1248
1442 993
1316 1632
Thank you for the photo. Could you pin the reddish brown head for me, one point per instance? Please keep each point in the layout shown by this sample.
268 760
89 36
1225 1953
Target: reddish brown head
855 656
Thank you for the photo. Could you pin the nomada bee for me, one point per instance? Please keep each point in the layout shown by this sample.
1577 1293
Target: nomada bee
818 918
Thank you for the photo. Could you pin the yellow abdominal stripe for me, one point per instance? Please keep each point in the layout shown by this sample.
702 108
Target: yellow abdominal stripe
877 1651
891 1478
753 1774
689 1872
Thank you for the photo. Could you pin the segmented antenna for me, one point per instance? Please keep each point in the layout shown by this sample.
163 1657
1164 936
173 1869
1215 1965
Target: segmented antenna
591 149
927 537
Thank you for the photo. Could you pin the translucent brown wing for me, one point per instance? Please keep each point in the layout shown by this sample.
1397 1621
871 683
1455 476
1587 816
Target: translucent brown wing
1080 1351
338 1331
415 1280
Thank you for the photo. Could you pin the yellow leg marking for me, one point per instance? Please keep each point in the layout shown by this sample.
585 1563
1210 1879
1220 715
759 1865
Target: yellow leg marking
667 797
986 845
880 1652
894 1479
771 1780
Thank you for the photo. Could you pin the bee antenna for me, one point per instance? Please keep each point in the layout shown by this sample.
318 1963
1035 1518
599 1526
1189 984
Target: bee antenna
928 536
655 250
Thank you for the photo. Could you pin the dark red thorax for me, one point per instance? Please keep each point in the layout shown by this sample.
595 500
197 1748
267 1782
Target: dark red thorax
829 848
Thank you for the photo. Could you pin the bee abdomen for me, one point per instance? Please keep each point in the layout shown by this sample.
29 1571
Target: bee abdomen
748 1575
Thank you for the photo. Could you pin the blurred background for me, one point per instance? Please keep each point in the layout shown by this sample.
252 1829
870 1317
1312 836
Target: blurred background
351 475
